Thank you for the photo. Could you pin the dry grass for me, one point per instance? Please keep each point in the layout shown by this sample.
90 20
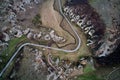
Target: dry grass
52 19
83 50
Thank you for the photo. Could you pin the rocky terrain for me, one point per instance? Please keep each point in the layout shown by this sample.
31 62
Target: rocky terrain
39 21
22 19
103 35
33 64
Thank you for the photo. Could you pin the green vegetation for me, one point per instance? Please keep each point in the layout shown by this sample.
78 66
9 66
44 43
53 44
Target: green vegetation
62 52
7 53
88 68
8 70
37 20
90 74
89 77
91 1
43 42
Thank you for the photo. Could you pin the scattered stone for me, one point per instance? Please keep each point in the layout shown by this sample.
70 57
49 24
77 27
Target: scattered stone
6 38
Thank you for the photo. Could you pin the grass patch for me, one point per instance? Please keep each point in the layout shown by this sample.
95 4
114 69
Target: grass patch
88 68
43 42
37 20
90 74
89 77
62 52
7 72
91 1
7 53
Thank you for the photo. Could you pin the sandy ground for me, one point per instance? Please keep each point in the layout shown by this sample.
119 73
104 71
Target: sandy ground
52 19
